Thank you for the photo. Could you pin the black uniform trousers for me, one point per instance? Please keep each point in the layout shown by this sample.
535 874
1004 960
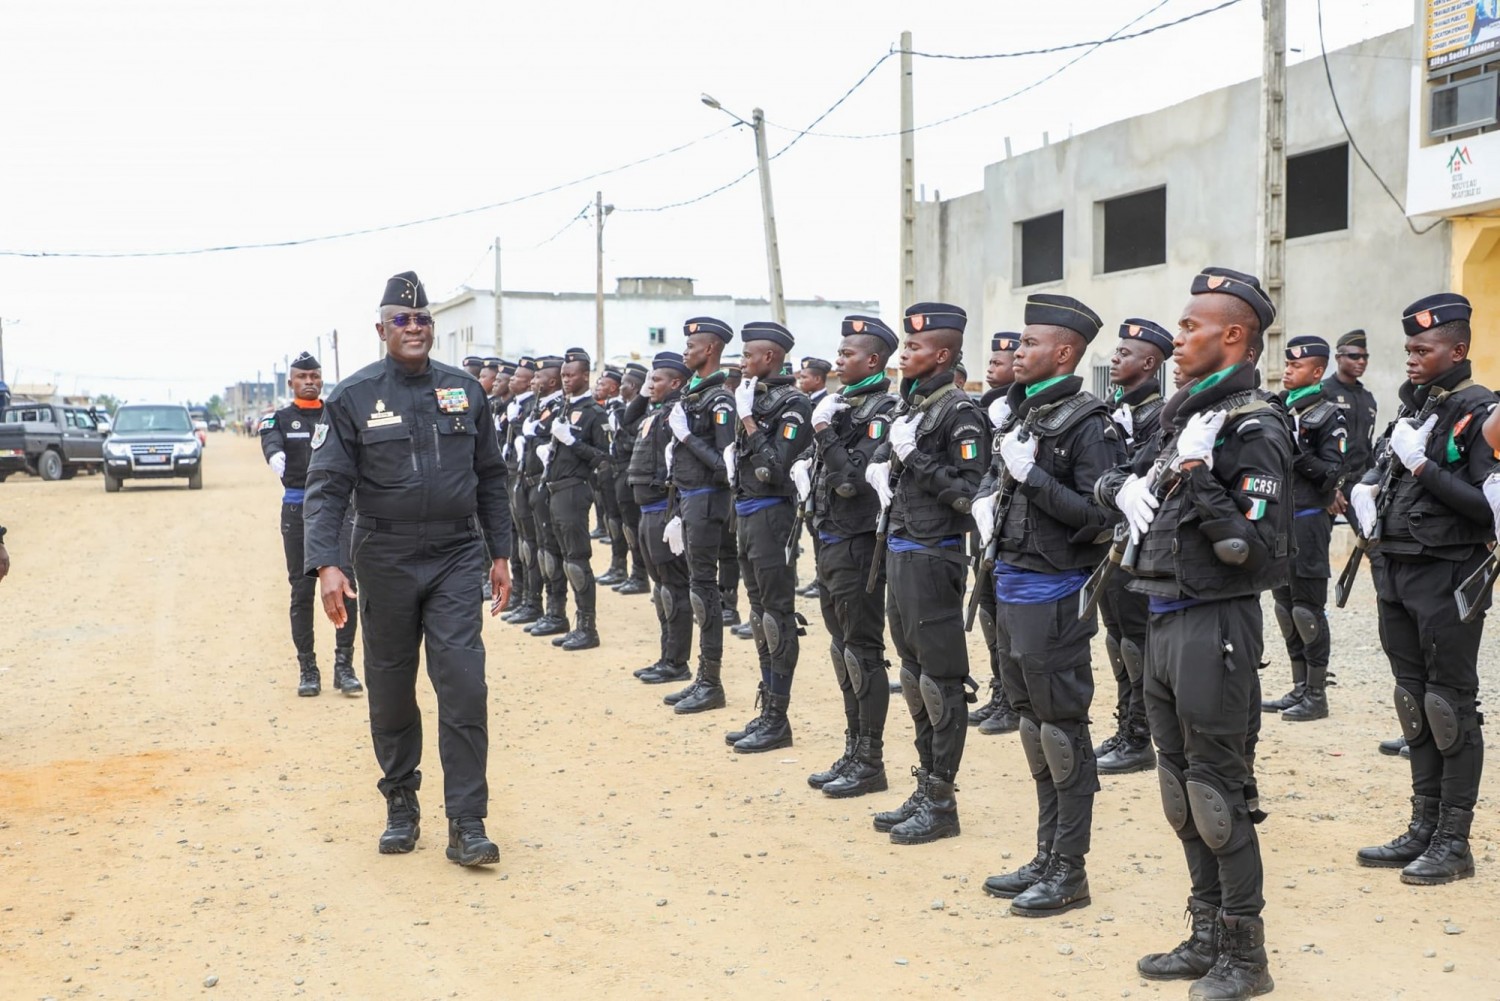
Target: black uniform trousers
771 587
924 607
420 585
703 520
1125 618
669 574
572 501
1306 632
549 552
1434 656
1203 700
630 520
609 497
729 562
305 604
1046 668
528 586
855 620
987 614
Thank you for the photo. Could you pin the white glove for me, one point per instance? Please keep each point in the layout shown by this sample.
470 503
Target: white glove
744 397
904 436
827 407
983 511
878 476
669 451
801 474
277 463
529 427
519 448
999 411
1125 421
677 420
1362 499
672 536
513 411
1409 442
544 452
1019 456
1492 494
1196 442
731 462
1137 502
563 432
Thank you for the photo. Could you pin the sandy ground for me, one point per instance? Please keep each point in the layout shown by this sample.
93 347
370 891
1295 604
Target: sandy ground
171 812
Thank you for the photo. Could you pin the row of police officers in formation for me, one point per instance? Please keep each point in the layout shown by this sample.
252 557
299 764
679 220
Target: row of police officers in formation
1164 512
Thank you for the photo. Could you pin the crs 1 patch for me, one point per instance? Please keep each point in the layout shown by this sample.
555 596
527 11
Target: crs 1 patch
1257 485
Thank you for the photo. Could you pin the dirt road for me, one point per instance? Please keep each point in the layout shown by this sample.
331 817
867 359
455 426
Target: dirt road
172 814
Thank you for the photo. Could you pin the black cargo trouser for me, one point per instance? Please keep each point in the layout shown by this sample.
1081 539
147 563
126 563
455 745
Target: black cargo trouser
1125 618
669 573
770 585
630 520
305 604
855 620
703 517
729 562
549 552
609 499
571 501
529 584
924 606
1301 603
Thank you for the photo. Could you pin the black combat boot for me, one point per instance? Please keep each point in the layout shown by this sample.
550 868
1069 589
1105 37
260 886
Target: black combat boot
1194 955
1240 970
729 615
585 637
1314 702
672 698
1133 752
1114 740
1447 857
936 816
742 631
887 819
1010 884
467 844
865 774
664 673
1003 719
709 693
633 585
343 671
403 822
1394 746
997 695
1291 698
309 683
1409 845
775 730
1063 887
735 736
552 622
614 575
527 612
820 779
641 672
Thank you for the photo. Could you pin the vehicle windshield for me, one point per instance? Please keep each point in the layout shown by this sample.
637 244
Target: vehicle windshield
134 419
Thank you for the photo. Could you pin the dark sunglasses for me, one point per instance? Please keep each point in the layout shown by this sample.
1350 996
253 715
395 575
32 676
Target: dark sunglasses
400 320
1356 356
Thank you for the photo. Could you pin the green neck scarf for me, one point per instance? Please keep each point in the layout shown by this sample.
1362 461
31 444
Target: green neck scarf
862 384
1210 380
1294 395
1037 387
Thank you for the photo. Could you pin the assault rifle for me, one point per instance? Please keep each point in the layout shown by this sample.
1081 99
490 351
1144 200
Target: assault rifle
883 523
804 508
1475 590
984 562
1125 548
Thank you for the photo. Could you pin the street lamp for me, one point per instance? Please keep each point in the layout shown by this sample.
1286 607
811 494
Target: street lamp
757 125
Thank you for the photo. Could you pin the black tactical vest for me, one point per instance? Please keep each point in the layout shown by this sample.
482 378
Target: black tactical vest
915 512
766 412
850 509
688 472
1418 523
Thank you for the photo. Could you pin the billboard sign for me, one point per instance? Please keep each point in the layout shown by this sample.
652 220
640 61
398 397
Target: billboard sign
1460 30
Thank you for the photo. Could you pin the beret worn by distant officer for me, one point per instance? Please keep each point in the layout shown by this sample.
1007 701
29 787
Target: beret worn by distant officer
526 362
306 362
819 365
576 354
1062 311
470 360
1152 333
493 362
874 326
708 325
1353 339
765 330
404 289
507 367
610 372
1243 287
934 316
548 361
1306 346
1434 311
1005 341
636 369
673 361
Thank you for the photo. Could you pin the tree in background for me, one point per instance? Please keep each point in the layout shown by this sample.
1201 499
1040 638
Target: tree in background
107 401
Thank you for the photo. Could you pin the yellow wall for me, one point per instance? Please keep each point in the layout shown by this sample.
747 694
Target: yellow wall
1476 274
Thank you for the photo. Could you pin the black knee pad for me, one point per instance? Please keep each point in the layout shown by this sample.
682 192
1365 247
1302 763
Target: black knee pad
1451 718
1284 621
1307 621
1409 713
1174 801
1222 818
858 679
911 690
840 670
1135 659
1031 745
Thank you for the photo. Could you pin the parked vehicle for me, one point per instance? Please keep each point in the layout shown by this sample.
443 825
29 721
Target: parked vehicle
51 440
152 441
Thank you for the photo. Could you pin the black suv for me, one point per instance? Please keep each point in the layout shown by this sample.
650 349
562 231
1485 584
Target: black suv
152 441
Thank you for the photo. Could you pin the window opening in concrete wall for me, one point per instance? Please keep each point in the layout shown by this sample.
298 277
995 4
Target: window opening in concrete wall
658 335
1317 191
1466 104
1135 230
1042 249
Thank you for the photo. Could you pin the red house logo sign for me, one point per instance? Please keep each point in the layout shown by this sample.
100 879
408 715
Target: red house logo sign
1463 187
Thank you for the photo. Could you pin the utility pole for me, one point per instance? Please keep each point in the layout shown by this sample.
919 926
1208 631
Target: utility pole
600 211
335 355
1271 217
908 270
773 254
499 333
2 349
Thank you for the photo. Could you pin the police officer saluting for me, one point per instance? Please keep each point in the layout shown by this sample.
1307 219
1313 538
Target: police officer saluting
403 439
1051 532
1209 509
286 439
1317 466
843 509
580 446
1431 530
926 475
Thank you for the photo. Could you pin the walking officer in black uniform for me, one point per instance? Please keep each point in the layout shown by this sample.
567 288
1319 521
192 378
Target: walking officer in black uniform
403 438
774 430
1136 409
625 427
286 439
527 584
1209 506
1321 439
843 508
926 474
1342 386
996 715
537 435
1050 532
1430 532
703 425
580 447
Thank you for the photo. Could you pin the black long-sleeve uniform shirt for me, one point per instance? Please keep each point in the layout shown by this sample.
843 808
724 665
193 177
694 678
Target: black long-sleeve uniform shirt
290 430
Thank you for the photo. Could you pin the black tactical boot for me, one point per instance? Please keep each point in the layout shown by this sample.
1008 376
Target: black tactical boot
1447 857
709 693
775 731
888 819
1114 740
641 672
585 637
343 671
997 695
1394 746
403 822
664 673
1194 955
820 779
672 698
309 682
741 631
614 575
527 612
735 736
632 585
550 624
1409 845
1133 753
467 844
865 774
1003 719
729 615
1240 970
1063 887
936 816
1011 884
1291 698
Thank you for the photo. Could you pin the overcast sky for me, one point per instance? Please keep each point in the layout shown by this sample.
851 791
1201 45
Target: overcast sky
156 125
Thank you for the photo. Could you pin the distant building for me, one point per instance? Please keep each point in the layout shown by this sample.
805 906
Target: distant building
248 397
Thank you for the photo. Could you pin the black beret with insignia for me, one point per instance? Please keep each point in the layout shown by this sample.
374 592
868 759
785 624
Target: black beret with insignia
1434 311
492 362
1243 287
636 369
1005 341
404 289
472 361
306 362
872 325
576 354
527 363
548 361
507 367
820 365
766 330
1151 332
708 325
1062 311
610 372
671 360
934 316
1353 339
1306 346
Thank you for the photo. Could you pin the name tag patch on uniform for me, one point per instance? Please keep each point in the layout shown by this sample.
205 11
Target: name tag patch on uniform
1261 486
876 430
452 400
968 450
382 417
319 435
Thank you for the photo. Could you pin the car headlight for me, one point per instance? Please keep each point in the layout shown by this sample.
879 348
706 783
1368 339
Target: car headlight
117 449
185 448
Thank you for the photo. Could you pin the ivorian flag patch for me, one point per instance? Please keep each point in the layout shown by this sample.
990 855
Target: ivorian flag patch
1257 509
789 431
721 417
875 430
968 450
